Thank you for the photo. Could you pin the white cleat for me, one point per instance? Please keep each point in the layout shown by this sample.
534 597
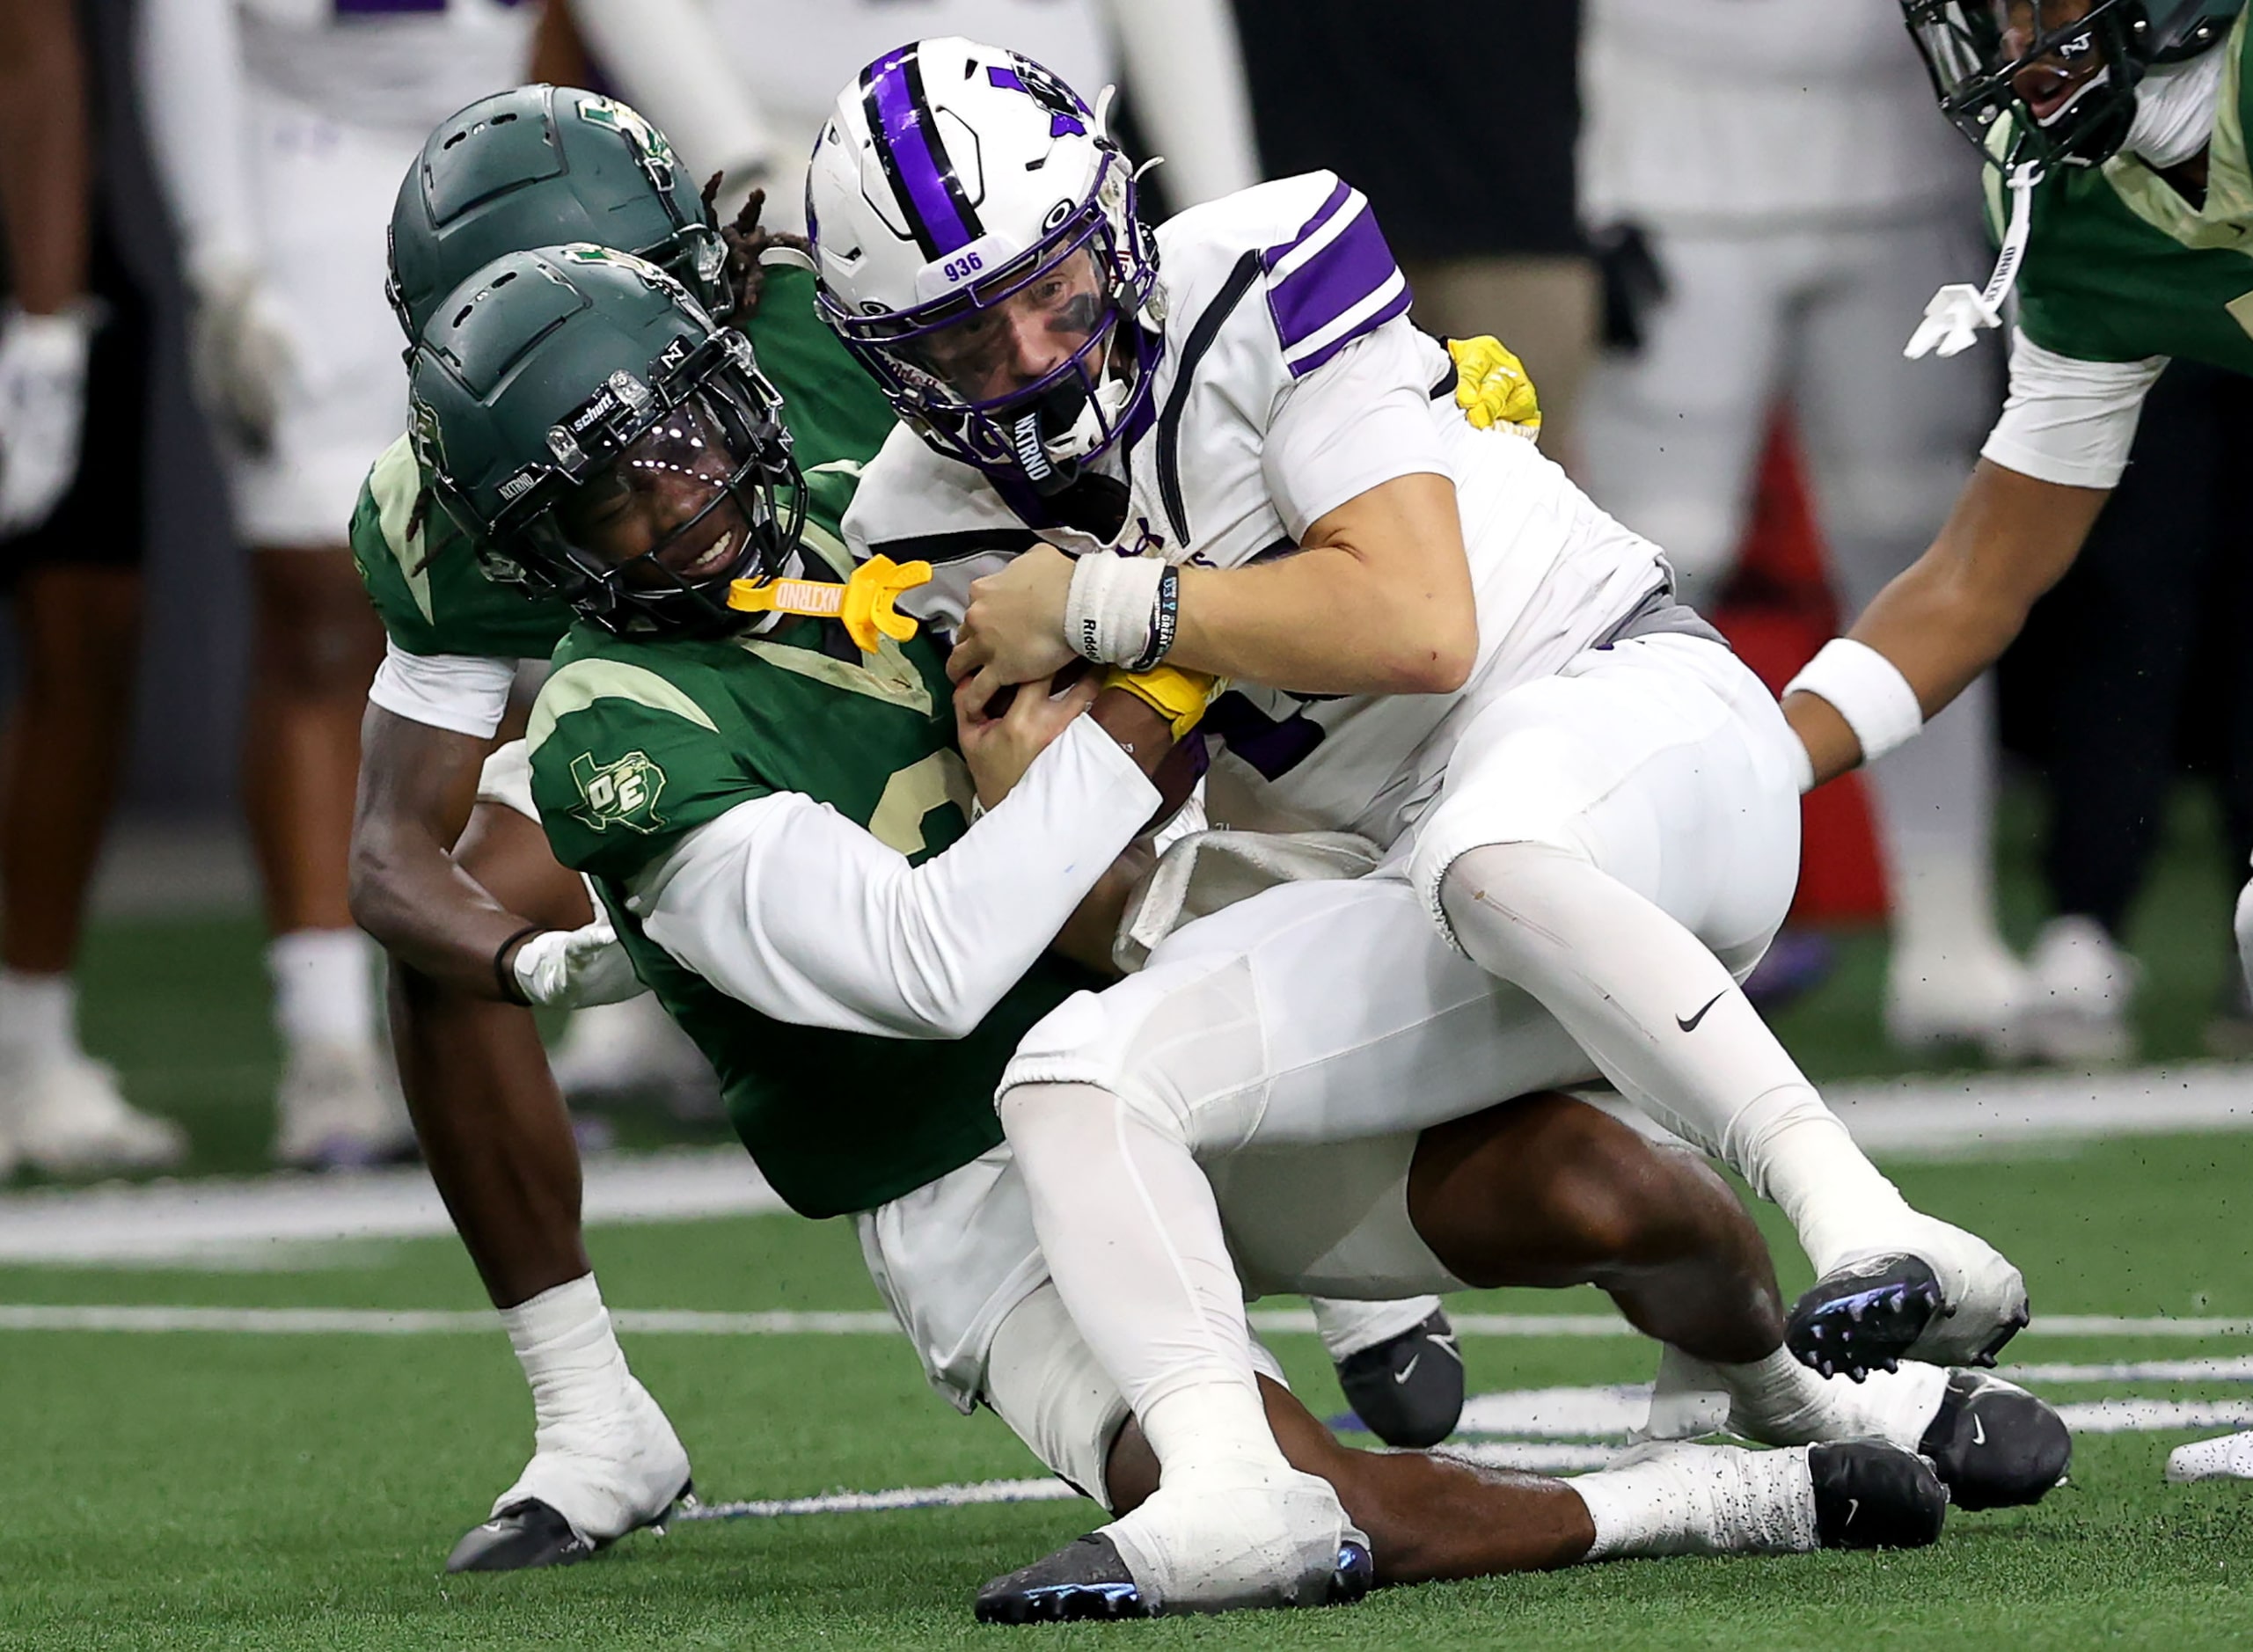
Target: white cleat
2084 988
1214 1542
590 1482
67 1117
336 1110
2228 1458
1979 994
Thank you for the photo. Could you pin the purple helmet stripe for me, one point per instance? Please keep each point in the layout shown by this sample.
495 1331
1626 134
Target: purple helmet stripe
915 161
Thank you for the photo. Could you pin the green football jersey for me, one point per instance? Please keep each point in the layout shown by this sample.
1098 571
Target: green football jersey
425 578
2119 266
635 744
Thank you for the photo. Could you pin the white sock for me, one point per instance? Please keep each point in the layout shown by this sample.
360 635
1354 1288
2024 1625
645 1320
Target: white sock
38 1017
1778 1401
1347 1328
1128 1224
1621 976
571 1357
324 986
1701 1500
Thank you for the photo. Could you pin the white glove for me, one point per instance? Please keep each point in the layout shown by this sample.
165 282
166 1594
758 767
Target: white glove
576 968
240 351
42 410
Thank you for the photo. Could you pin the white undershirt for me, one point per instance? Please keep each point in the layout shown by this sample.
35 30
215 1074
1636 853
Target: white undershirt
2069 421
786 905
462 693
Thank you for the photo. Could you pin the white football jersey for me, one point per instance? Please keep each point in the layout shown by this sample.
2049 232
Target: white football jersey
1292 382
387 63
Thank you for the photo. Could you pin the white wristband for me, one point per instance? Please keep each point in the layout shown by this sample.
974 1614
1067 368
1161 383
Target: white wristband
1109 614
1865 689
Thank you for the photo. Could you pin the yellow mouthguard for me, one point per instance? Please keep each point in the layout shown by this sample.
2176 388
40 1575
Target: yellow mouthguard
863 604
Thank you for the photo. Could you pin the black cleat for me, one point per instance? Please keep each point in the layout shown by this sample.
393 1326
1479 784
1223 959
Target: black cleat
1408 1392
1085 1581
1996 1446
1871 1496
532 1533
1864 1317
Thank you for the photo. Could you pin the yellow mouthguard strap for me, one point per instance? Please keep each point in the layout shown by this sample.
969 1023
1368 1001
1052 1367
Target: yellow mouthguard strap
1492 388
863 604
1179 697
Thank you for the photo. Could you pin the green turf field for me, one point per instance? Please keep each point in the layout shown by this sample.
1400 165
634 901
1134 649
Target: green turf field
227 1489
223 1488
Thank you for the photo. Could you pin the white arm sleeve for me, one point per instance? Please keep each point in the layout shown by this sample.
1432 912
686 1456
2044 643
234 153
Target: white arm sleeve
462 693
2069 421
1362 418
672 65
787 906
1185 67
188 61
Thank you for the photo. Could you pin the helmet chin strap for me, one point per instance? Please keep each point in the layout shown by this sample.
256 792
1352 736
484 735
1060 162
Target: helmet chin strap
1053 435
1957 313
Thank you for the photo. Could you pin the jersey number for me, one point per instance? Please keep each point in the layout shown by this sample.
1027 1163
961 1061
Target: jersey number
912 792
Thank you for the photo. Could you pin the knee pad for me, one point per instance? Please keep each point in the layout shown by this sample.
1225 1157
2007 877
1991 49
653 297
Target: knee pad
1446 873
1179 1047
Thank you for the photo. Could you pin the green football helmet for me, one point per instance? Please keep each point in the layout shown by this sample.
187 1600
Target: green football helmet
578 412
2065 71
538 166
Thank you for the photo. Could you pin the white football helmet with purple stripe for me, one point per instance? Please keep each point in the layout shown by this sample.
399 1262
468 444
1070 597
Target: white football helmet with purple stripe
975 241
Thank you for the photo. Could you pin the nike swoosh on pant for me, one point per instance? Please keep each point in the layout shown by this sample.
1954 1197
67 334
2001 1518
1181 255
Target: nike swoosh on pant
1690 1026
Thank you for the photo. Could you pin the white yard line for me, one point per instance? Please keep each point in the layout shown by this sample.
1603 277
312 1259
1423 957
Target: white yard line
955 1497
271 1219
284 1221
871 1322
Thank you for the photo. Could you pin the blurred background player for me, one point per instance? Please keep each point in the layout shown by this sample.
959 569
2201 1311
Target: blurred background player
73 366
1478 202
281 129
1776 169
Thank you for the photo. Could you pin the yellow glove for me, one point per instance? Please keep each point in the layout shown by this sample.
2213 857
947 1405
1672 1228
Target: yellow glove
1179 697
1491 386
863 602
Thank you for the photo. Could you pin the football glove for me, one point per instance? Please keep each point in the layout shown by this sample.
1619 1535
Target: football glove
42 411
576 968
1180 697
240 352
1491 386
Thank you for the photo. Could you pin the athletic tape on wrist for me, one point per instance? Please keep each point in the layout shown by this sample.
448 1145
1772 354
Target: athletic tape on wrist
1112 609
1865 689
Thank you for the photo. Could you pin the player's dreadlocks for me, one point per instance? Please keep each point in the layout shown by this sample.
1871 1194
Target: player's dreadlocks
746 241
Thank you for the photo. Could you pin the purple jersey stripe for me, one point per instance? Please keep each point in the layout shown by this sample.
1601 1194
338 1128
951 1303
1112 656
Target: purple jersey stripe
1339 196
911 157
1397 305
1352 266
